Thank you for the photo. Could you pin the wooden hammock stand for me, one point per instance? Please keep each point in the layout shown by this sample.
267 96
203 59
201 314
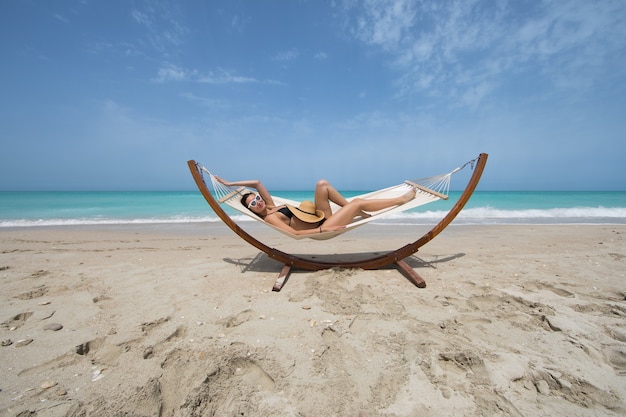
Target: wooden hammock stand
395 257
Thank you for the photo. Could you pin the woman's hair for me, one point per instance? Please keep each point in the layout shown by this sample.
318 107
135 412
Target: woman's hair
244 198
243 202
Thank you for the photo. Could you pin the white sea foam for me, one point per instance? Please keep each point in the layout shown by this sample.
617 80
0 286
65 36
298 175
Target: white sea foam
476 215
554 213
104 222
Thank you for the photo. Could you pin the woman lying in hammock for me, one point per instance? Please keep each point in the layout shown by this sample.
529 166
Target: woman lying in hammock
311 217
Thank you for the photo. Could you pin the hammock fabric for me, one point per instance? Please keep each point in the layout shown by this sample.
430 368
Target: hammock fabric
429 189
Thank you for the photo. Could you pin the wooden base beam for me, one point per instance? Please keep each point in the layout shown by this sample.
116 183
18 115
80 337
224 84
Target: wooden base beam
282 278
410 273
402 266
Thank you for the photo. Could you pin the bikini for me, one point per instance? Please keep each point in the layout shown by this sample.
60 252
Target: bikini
286 212
289 215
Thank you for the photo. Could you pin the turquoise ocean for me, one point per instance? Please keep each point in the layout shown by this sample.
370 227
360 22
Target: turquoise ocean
32 209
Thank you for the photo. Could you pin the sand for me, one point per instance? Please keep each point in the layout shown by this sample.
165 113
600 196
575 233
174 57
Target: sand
181 321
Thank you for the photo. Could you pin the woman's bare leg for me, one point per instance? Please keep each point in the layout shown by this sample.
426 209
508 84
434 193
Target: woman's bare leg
326 193
355 207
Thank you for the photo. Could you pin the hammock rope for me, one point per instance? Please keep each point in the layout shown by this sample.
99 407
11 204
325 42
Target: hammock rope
428 190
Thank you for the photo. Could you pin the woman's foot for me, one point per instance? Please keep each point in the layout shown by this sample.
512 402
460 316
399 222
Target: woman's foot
410 195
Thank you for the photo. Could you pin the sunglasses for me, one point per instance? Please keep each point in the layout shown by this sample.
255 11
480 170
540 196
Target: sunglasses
254 201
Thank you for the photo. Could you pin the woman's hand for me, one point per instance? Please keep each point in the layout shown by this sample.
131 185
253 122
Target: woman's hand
223 181
331 228
256 184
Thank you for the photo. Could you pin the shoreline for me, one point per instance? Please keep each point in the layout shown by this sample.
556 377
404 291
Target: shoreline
407 222
517 320
256 226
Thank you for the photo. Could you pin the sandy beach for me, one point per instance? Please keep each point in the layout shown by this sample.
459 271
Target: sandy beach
170 320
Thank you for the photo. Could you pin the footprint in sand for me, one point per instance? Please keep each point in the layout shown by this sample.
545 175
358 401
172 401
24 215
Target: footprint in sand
148 326
36 293
573 388
90 346
619 335
149 351
39 274
252 374
483 302
558 291
229 385
181 331
617 358
17 320
468 361
238 319
469 319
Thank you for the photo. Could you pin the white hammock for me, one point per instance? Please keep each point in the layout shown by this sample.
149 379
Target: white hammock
428 189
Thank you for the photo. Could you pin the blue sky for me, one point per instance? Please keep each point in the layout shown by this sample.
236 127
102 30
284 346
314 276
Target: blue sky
118 95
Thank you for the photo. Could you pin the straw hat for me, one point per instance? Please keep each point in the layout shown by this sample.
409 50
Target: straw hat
306 212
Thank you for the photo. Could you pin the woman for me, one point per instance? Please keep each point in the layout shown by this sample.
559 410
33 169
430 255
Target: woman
309 217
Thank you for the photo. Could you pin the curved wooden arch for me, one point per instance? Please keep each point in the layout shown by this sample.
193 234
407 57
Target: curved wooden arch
375 262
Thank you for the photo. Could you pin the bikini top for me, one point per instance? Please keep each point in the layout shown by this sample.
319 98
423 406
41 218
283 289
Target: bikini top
289 214
286 212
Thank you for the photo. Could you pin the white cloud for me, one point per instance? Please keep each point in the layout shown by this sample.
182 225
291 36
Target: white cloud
61 18
141 18
169 72
455 49
173 73
224 77
288 55
163 27
385 23
474 95
239 24
205 101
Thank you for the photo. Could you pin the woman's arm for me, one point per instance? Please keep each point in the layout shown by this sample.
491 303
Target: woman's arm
256 184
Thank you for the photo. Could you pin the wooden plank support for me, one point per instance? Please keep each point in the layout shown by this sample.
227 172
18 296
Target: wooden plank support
410 274
238 191
427 190
282 278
